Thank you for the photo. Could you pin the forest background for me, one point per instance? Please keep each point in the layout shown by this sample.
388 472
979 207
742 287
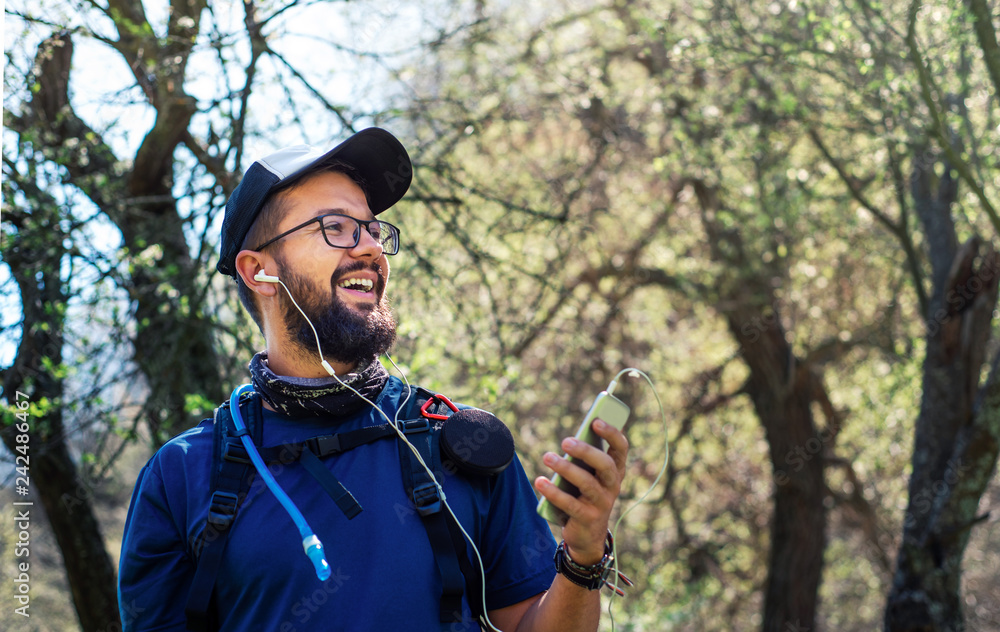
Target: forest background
784 212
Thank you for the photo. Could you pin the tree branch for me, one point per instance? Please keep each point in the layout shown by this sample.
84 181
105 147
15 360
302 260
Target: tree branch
986 35
939 126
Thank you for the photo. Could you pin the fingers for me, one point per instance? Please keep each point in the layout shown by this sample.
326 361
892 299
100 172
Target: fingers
585 531
575 508
617 444
608 467
591 487
605 470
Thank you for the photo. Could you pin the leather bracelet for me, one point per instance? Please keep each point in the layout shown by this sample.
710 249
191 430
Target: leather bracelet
591 577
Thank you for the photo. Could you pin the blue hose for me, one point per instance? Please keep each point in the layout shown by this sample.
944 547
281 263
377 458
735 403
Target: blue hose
310 543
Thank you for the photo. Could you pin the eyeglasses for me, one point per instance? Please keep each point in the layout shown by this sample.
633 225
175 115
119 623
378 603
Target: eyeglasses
344 231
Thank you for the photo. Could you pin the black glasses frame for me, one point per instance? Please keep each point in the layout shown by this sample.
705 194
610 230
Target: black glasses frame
362 223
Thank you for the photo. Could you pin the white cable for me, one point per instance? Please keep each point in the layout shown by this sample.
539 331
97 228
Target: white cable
633 372
395 424
319 348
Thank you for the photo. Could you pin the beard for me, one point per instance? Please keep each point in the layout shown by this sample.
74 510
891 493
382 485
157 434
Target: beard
348 335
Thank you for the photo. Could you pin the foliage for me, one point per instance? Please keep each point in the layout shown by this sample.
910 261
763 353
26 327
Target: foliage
599 184
565 144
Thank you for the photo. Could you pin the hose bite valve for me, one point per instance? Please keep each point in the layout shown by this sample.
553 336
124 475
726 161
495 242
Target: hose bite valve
314 549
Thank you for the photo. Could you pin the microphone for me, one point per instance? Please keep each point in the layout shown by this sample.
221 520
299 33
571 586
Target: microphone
476 442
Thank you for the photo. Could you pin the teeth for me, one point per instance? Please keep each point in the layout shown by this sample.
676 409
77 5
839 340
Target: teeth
364 284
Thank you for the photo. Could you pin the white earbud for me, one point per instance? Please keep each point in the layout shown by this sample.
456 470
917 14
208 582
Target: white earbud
263 277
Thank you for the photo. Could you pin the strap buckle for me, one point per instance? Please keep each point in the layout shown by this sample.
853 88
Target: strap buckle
430 402
222 511
415 425
427 499
325 445
236 453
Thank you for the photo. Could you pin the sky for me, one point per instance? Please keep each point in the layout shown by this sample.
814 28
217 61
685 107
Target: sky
308 36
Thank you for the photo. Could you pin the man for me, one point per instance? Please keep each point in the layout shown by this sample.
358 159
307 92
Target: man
301 238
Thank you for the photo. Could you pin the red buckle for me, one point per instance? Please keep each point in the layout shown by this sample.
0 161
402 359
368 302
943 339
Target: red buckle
442 398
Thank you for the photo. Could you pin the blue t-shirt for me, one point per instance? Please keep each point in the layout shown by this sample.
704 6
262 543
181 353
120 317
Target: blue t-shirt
383 571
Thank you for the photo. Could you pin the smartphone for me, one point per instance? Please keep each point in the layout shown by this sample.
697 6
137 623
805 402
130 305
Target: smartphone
611 411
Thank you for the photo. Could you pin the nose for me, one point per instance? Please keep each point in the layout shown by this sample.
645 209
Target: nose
367 245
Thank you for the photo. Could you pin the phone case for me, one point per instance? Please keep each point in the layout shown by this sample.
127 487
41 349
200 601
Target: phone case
611 411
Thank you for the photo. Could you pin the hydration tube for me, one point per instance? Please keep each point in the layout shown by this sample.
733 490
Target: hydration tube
310 543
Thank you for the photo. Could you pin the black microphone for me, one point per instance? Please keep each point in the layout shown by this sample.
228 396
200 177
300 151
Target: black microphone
477 442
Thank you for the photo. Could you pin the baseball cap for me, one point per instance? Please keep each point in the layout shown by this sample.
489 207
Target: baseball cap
381 161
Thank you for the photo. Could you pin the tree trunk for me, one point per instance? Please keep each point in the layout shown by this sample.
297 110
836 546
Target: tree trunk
957 432
782 393
52 474
67 502
782 390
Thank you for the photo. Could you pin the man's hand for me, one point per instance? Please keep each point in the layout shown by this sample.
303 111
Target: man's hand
587 527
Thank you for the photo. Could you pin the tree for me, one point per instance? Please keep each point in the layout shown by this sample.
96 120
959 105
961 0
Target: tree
736 166
151 301
36 249
766 205
620 172
957 435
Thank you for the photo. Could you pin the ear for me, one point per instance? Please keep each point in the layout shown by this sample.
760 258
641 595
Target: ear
248 264
384 265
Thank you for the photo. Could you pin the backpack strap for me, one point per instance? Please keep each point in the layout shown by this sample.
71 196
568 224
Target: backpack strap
344 500
450 553
232 475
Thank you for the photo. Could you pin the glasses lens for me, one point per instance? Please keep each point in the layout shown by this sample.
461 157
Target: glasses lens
388 236
341 231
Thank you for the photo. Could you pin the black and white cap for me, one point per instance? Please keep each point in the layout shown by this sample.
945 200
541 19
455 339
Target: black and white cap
379 157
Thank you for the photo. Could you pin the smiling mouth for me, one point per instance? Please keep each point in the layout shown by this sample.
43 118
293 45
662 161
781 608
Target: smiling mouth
358 281
358 285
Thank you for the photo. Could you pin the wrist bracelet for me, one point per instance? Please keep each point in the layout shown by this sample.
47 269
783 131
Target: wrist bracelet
594 576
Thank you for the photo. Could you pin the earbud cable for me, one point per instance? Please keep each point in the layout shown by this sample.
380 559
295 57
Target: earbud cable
394 422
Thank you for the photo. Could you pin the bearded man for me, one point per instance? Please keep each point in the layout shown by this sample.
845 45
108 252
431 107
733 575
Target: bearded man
208 546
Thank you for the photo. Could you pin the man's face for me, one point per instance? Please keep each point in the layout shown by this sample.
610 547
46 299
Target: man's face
341 290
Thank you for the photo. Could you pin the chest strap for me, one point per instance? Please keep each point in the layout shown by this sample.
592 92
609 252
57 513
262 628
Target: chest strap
328 445
310 451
